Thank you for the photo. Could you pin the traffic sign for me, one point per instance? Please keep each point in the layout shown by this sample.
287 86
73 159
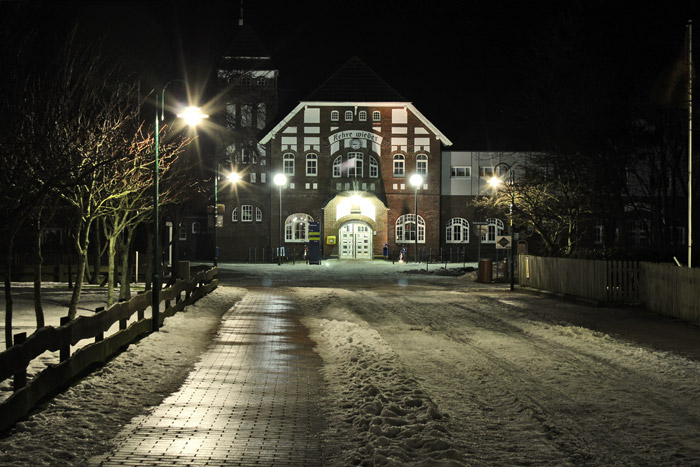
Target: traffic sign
503 242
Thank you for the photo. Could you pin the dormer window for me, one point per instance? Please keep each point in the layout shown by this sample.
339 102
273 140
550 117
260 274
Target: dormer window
362 116
335 116
348 116
376 116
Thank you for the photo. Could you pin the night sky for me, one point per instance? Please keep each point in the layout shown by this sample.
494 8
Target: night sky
463 64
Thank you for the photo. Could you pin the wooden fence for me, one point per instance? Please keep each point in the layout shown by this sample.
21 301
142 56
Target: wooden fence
15 360
662 288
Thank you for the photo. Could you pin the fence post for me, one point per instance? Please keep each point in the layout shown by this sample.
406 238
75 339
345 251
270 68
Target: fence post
20 379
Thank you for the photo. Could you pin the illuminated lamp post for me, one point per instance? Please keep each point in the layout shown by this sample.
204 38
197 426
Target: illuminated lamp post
232 177
192 116
280 180
496 182
416 180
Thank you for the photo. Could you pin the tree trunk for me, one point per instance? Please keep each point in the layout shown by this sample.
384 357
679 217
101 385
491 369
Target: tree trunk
82 242
97 259
8 291
111 256
149 262
38 261
124 252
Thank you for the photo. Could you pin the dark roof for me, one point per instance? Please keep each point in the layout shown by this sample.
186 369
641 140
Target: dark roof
355 82
247 50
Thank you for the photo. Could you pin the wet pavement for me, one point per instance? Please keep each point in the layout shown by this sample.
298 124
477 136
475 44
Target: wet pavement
252 400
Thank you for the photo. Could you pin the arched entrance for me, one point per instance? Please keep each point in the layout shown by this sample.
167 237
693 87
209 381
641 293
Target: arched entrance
355 240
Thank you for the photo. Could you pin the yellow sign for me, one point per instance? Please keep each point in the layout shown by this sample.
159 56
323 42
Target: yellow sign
330 240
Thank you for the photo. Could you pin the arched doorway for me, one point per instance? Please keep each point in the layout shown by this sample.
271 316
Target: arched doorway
355 240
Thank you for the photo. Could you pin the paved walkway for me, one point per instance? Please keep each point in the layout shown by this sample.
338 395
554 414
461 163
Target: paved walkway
251 401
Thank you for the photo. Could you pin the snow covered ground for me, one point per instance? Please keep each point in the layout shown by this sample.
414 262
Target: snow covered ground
423 369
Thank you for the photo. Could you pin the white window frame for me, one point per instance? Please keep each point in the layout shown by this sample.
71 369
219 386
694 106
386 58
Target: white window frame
338 167
288 163
356 169
258 214
247 213
196 227
183 233
459 226
373 167
311 165
405 237
486 172
455 169
493 230
362 116
234 215
598 237
348 115
376 116
296 228
399 165
335 116
422 164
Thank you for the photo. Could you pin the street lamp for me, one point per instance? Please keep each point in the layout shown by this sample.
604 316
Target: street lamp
280 180
232 177
192 116
495 182
416 180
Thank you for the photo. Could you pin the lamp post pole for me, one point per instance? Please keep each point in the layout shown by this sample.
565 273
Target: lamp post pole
192 116
495 181
416 180
280 180
216 214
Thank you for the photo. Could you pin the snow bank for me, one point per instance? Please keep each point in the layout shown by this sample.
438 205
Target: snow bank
378 414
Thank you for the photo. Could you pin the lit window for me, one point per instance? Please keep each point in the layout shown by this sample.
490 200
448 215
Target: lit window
246 213
406 229
335 116
486 172
258 215
234 215
296 228
399 165
348 115
457 231
376 116
373 167
460 172
362 116
311 165
288 162
196 228
495 228
422 164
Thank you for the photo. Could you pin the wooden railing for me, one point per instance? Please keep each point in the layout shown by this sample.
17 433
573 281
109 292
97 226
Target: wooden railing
15 360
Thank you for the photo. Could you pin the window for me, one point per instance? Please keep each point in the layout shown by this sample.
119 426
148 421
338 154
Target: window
376 116
335 116
246 213
406 229
183 233
196 228
486 172
422 164
234 215
245 156
355 164
399 165
348 115
258 215
246 115
311 165
362 116
457 231
337 166
260 116
296 228
288 161
373 167
494 229
598 234
252 177
261 81
460 172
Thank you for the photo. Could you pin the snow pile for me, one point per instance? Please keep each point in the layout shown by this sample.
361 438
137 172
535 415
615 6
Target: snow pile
379 414
81 422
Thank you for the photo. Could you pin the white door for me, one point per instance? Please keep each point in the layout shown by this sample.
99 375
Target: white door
355 241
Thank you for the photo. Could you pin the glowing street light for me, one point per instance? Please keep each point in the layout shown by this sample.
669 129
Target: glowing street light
280 180
496 182
416 180
192 116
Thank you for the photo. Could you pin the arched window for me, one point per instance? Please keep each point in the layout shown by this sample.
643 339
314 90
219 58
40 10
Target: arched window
296 228
376 116
495 228
196 228
355 164
399 165
258 214
288 161
247 213
311 165
348 115
362 116
422 164
337 166
406 229
373 167
457 231
335 116
234 215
